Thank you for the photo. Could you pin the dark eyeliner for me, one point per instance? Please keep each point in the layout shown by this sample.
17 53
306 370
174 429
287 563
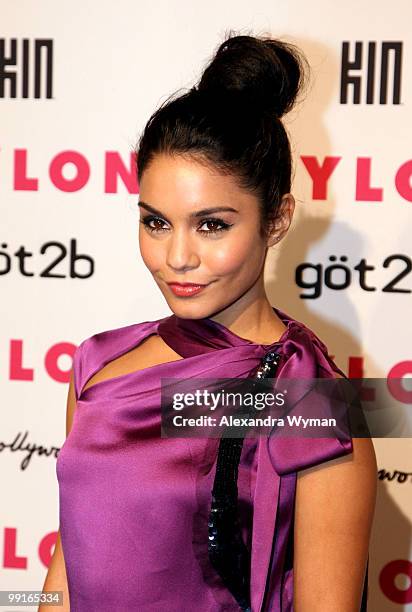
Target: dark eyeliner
224 226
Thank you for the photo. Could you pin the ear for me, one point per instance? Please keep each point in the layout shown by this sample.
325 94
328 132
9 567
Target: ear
284 215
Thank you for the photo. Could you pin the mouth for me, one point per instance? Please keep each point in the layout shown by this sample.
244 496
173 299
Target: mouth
186 289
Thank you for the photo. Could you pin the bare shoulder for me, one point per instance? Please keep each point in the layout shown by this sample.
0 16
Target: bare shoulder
335 503
355 470
351 472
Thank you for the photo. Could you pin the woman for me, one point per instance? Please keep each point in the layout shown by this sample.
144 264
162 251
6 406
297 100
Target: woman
136 515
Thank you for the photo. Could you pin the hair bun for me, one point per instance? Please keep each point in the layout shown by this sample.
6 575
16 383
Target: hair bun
262 73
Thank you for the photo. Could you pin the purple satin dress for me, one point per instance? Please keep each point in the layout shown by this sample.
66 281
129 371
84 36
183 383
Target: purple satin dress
134 506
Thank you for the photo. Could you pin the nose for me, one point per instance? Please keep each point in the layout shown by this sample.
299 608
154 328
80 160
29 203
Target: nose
181 252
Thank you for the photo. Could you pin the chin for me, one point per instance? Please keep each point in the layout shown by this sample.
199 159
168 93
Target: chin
189 311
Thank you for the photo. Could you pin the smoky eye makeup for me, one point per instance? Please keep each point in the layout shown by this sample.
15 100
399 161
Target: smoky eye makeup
153 223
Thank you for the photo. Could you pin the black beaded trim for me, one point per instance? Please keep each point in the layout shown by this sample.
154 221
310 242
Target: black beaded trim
227 552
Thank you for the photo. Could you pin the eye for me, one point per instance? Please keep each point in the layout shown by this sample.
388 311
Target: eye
147 220
214 221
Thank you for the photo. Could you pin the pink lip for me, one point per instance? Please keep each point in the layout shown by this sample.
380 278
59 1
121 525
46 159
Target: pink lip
185 289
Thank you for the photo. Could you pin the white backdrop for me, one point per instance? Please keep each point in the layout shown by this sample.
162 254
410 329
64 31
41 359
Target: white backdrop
113 64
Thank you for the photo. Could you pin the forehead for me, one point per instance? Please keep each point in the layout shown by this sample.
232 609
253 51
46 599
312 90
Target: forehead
188 183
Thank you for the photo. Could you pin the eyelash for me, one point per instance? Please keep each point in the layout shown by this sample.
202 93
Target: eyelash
224 226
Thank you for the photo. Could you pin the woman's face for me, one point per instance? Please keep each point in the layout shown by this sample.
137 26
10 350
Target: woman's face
180 242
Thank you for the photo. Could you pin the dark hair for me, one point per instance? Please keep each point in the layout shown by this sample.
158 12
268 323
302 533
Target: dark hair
232 118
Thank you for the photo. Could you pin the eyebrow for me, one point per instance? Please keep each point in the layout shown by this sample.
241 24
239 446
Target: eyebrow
198 213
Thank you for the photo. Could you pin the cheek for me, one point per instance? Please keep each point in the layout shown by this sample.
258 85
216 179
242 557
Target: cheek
150 254
232 256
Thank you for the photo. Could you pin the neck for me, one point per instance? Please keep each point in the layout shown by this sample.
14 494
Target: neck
254 319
